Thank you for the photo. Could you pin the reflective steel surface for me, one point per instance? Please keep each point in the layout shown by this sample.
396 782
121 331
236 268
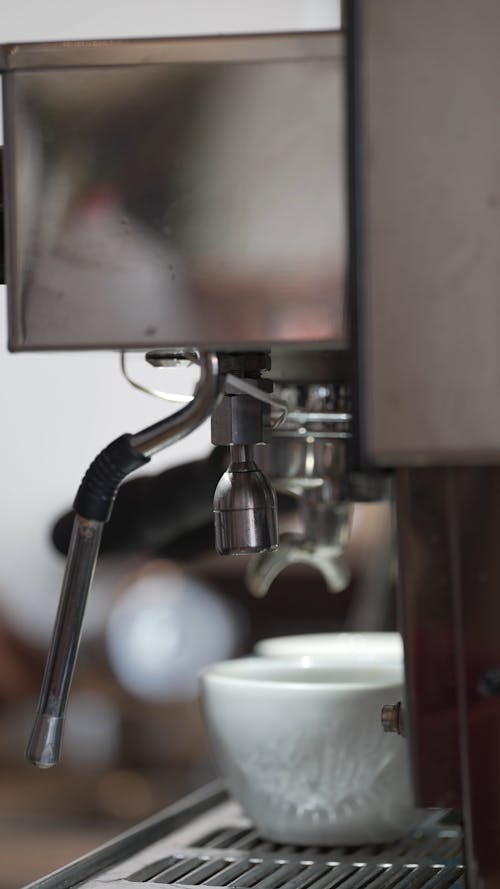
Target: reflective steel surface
45 742
175 193
426 220
206 841
245 507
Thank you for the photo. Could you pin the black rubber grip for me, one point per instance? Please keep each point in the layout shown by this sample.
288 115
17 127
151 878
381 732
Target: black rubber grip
104 476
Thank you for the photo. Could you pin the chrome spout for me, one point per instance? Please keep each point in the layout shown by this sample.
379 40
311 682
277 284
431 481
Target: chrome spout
245 507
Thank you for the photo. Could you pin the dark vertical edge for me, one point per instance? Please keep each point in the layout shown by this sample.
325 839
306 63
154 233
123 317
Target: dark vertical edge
5 228
10 251
454 507
2 238
425 602
473 505
353 10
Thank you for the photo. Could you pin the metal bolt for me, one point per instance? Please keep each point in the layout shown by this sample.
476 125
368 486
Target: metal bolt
392 718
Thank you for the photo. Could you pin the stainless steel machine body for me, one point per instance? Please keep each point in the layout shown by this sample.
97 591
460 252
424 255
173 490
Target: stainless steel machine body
193 193
425 264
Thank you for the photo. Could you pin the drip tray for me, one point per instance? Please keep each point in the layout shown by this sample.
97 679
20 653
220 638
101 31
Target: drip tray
220 848
240 858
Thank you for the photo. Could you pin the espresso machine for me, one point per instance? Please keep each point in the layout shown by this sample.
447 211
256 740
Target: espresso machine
312 219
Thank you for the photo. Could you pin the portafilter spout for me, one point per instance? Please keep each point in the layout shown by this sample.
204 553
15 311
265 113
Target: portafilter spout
307 459
93 505
245 505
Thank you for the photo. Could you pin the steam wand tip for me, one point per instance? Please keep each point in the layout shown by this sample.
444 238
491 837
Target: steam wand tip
44 745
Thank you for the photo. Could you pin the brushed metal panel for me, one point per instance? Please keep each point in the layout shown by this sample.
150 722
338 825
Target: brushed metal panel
198 202
430 220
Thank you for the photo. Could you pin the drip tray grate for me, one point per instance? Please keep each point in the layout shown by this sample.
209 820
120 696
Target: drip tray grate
206 840
237 856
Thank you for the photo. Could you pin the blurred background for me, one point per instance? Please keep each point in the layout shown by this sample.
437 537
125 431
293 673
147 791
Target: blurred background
163 604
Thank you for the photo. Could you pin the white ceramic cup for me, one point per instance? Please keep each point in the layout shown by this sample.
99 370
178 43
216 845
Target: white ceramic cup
384 649
303 750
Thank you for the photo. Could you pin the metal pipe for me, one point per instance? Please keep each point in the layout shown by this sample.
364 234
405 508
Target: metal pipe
176 426
45 741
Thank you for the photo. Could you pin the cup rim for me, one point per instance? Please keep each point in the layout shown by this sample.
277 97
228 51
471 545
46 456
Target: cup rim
388 676
334 646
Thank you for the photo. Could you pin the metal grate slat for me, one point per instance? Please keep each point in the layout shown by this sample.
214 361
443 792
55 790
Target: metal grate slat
388 877
308 876
234 839
210 839
145 874
411 878
363 876
203 873
259 872
175 872
227 838
231 873
335 876
283 873
249 841
443 877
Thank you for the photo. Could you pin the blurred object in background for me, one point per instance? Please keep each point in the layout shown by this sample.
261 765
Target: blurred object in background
371 553
19 665
164 628
153 511
93 729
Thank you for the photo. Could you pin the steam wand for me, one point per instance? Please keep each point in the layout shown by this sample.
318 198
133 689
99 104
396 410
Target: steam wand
93 505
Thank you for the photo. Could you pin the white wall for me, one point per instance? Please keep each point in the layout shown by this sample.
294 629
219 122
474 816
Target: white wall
60 20
58 410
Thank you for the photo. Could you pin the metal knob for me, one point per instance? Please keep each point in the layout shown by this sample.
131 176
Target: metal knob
392 718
